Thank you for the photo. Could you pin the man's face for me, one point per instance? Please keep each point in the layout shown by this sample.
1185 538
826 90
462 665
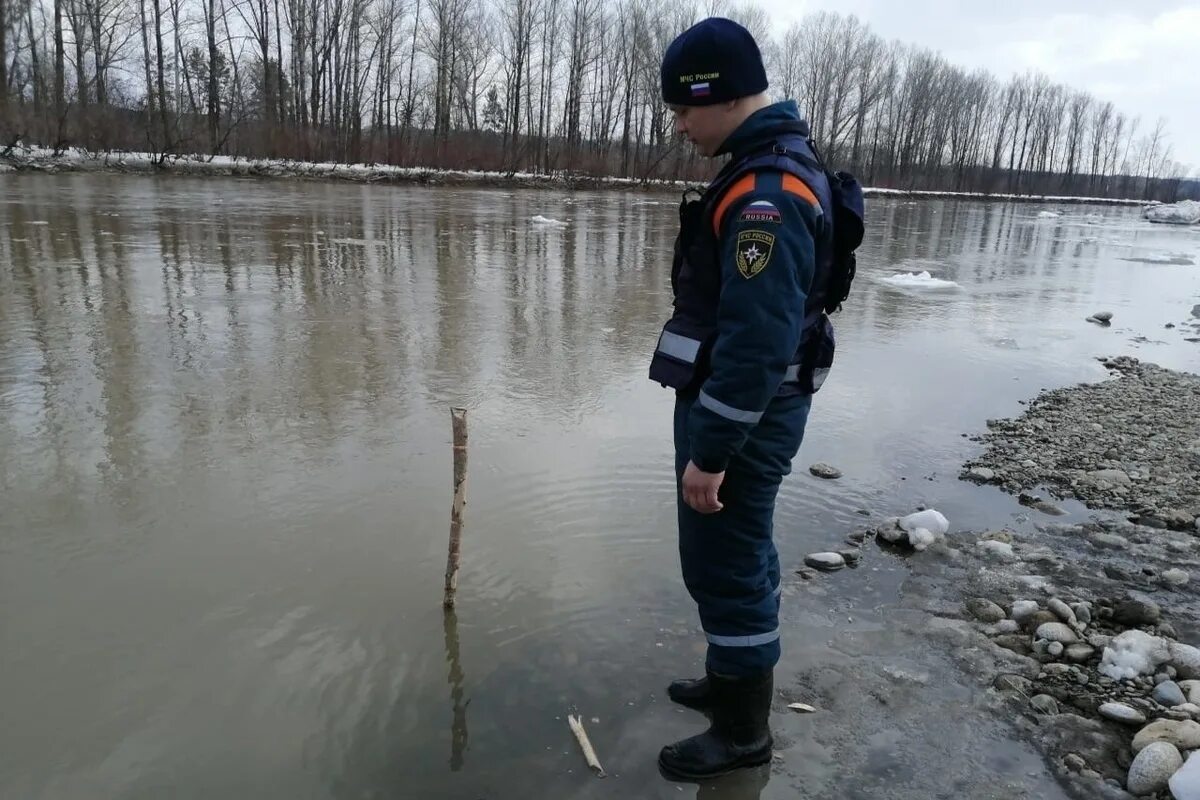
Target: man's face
707 127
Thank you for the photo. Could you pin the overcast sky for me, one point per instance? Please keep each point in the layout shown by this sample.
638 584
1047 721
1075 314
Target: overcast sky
1144 56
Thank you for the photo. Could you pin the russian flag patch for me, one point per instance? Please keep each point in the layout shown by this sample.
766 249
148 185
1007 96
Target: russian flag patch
761 211
701 89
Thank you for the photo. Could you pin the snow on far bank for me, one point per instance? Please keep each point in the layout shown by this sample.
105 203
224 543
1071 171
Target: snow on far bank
74 159
920 280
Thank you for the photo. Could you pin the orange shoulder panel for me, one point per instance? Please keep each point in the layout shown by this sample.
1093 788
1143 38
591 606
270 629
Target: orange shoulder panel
741 188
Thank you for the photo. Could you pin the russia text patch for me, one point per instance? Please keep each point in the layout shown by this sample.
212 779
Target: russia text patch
761 211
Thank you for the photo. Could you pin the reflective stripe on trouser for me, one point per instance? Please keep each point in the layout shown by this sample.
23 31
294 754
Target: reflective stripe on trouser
730 564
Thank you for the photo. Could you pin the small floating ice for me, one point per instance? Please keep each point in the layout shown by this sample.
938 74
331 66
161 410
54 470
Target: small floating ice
920 280
1049 215
38 222
548 222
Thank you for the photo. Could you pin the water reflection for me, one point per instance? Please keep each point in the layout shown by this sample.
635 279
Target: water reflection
226 469
458 727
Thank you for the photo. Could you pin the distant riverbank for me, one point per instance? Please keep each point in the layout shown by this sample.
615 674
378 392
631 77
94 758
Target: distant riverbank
43 160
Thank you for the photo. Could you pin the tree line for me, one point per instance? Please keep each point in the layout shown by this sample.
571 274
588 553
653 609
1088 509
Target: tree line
542 86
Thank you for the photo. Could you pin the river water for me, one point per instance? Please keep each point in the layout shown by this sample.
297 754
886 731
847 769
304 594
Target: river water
225 482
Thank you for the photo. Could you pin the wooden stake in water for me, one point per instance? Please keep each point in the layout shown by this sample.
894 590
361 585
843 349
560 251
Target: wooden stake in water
458 419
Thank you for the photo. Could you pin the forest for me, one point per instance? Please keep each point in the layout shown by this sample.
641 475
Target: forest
542 86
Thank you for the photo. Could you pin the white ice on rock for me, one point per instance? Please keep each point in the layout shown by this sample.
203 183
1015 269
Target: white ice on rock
1185 783
920 280
924 528
1133 653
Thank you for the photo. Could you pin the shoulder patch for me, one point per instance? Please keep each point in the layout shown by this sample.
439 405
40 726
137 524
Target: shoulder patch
761 211
754 248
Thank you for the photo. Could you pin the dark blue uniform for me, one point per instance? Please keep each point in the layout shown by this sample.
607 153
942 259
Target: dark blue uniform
747 282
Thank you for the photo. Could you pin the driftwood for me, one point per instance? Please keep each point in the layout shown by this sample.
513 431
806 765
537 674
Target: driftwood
589 753
458 417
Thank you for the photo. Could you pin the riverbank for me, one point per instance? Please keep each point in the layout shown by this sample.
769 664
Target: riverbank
47 161
1082 635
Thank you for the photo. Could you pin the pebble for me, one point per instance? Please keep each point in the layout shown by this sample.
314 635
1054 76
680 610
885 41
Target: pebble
1190 708
1184 734
1080 652
825 561
1044 704
1055 649
982 473
1099 640
1083 613
1018 643
1024 609
1153 767
825 471
1169 694
1074 762
1062 611
985 610
1056 632
1102 316
1006 626
1039 619
1185 659
1109 541
1119 712
1175 577
1137 612
850 556
1192 690
1008 682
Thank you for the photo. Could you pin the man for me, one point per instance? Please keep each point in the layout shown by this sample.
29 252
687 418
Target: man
747 346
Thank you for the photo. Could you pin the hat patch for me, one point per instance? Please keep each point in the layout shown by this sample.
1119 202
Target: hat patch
701 89
761 211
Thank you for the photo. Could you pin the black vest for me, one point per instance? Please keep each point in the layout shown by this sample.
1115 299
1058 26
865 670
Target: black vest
681 358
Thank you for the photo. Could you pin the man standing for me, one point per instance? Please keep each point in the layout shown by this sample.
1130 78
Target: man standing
745 349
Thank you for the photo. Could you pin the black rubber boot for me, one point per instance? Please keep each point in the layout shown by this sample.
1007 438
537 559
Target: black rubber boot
738 737
691 692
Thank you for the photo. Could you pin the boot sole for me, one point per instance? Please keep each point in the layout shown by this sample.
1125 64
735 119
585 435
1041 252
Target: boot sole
752 760
696 705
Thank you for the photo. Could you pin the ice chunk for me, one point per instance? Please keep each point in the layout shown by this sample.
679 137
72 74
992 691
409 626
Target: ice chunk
1049 215
920 280
929 519
1133 653
920 538
548 222
1185 212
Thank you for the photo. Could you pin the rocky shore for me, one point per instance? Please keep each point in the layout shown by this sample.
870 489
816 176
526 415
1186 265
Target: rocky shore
1083 636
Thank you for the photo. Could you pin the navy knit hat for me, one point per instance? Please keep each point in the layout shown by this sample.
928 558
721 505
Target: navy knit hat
711 62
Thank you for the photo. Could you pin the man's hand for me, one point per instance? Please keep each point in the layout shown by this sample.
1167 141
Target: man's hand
700 489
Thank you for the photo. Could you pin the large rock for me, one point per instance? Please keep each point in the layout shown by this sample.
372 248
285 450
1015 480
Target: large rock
1062 611
1169 694
1153 767
1057 632
825 561
1024 609
1038 619
1185 212
1185 783
1119 712
1131 611
1185 659
825 471
985 610
1184 734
